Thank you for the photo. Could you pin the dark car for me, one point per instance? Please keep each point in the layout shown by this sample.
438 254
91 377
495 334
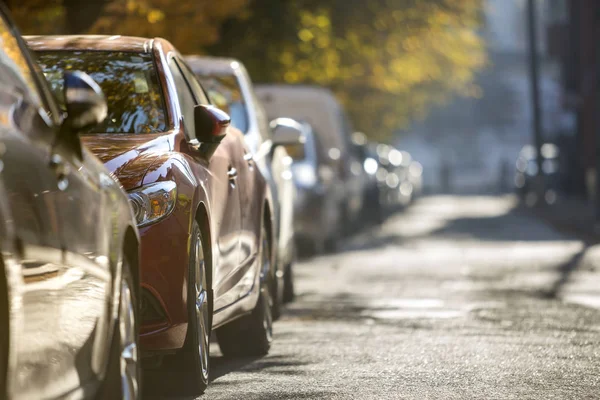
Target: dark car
373 211
394 177
528 177
69 243
203 209
230 78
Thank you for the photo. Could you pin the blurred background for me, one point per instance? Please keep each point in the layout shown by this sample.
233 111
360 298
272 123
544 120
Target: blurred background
473 89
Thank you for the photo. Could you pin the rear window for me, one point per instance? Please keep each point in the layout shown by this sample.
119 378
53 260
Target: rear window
129 81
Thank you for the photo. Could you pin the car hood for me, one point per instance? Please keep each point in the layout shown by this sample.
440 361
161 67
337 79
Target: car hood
127 157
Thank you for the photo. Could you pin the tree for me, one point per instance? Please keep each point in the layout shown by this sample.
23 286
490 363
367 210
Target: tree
387 60
189 24
56 16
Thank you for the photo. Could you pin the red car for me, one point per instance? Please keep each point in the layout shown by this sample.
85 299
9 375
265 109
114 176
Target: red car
203 210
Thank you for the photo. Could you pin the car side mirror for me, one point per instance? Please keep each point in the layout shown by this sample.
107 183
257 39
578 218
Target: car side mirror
211 127
211 123
288 133
84 101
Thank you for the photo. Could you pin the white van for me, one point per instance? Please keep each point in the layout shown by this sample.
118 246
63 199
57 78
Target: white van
319 107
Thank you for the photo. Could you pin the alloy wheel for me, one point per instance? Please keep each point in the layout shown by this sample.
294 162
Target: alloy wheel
129 348
202 314
267 299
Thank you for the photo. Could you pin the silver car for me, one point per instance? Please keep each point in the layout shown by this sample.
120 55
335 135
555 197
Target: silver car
316 205
320 108
230 88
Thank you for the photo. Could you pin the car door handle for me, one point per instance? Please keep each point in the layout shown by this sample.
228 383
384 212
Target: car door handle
232 174
249 158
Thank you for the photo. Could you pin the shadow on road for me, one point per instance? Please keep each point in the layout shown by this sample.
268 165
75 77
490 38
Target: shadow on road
160 384
565 272
517 224
270 364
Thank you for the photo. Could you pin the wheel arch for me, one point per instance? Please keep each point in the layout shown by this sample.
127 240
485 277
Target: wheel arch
131 251
203 220
267 219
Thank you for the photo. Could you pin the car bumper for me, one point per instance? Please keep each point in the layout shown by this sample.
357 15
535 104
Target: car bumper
164 265
311 216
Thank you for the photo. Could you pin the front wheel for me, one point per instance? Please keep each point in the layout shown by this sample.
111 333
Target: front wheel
194 360
252 334
124 372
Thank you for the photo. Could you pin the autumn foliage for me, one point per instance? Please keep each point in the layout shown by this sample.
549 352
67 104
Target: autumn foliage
387 60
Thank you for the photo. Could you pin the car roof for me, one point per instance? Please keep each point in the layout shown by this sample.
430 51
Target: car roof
90 42
311 104
295 90
213 65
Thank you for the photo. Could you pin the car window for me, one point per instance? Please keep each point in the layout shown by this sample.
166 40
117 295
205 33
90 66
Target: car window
129 82
197 89
187 100
227 94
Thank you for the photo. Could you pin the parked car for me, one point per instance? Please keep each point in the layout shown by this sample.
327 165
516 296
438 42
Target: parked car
315 203
230 79
527 172
204 212
320 108
407 177
373 211
69 278
415 171
396 190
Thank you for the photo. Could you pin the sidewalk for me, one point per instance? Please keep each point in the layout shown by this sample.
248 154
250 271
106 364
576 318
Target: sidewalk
581 275
571 215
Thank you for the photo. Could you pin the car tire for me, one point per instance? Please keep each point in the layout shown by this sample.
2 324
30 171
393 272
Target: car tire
123 377
288 284
252 334
193 361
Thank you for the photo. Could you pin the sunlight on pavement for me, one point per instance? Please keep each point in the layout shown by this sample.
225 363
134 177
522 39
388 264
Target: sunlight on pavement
592 301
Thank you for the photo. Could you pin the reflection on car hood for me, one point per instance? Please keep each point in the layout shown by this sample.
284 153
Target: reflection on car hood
128 157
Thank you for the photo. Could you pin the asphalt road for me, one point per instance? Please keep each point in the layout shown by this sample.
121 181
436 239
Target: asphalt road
455 298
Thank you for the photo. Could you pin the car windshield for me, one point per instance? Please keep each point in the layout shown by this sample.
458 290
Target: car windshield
129 82
225 92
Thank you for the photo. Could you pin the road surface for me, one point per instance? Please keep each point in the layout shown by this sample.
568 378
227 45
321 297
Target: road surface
455 298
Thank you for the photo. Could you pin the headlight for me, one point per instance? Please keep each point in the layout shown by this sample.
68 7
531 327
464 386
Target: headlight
153 202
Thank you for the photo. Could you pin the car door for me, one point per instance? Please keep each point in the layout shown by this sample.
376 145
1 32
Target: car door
85 212
250 192
52 347
243 161
224 192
